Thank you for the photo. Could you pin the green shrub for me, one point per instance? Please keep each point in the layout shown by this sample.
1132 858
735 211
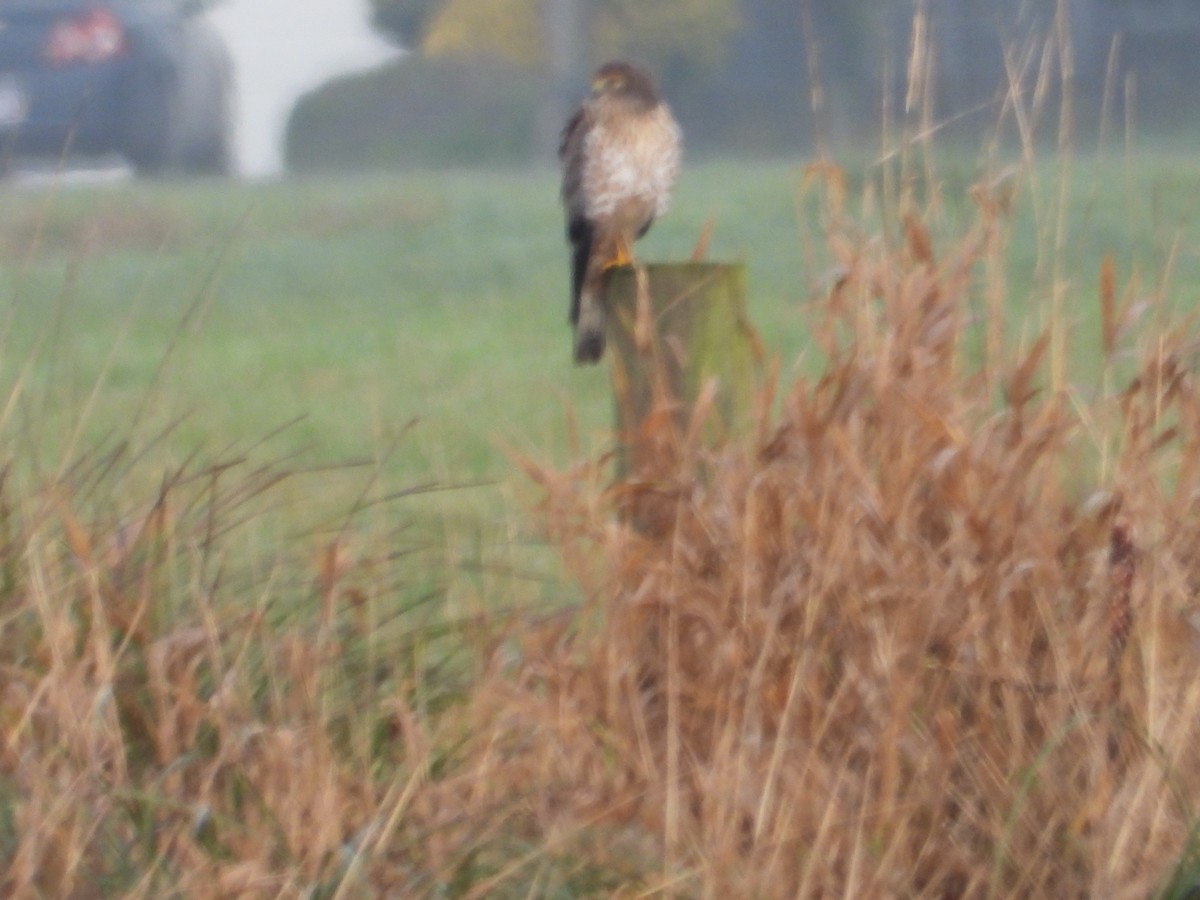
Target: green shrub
416 112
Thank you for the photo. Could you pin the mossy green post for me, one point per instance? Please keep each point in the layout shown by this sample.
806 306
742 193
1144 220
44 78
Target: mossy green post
698 330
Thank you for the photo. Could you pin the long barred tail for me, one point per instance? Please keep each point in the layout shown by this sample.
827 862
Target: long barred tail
580 253
587 290
591 323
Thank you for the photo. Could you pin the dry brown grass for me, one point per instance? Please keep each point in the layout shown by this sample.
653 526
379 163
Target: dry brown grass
178 722
911 640
928 630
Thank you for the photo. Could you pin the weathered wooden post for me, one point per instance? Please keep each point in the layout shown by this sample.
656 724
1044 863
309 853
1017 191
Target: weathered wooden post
674 329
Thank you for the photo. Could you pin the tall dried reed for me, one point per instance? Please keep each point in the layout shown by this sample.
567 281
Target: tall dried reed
931 632
190 708
927 629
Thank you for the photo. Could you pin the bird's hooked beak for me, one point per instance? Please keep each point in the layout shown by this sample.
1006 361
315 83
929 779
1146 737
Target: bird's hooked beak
606 82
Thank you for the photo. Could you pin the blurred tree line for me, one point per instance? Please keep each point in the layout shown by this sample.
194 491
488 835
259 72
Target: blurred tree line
664 33
491 79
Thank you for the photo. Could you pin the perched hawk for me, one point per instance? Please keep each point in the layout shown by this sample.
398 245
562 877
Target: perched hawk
619 153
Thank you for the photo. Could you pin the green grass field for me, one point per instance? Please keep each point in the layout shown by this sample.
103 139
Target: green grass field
223 672
358 305
374 334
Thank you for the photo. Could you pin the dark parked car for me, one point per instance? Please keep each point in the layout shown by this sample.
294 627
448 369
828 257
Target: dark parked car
150 80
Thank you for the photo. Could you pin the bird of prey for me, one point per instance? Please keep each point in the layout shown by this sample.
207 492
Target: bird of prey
620 154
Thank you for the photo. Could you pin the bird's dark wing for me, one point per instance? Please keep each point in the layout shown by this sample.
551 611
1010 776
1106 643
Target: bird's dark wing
571 151
571 133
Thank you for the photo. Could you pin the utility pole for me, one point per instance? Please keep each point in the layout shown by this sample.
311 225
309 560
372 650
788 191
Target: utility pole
564 27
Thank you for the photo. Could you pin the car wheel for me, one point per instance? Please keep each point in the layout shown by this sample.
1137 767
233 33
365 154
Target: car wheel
152 121
212 154
212 157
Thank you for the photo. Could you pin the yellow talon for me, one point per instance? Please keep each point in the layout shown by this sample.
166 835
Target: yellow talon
622 255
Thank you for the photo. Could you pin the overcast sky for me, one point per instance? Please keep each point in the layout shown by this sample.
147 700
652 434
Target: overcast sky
282 48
